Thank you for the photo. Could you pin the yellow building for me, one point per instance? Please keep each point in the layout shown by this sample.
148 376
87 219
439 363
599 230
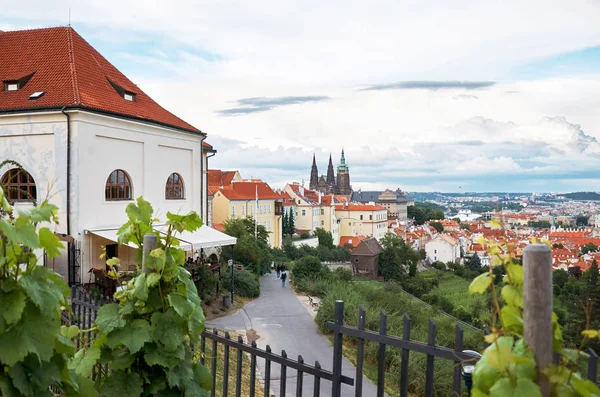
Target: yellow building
369 220
250 198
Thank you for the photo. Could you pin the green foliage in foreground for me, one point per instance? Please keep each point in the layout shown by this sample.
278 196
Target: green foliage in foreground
377 296
34 348
145 337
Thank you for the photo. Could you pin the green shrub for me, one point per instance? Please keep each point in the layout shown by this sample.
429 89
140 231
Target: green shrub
206 283
309 266
246 283
342 274
313 287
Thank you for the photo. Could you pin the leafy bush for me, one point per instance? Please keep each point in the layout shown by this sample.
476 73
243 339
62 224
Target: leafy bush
342 274
304 235
246 283
314 287
418 285
145 337
206 283
309 266
439 265
34 348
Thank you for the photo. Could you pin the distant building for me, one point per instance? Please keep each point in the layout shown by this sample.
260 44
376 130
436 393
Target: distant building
358 219
365 257
395 202
330 184
443 248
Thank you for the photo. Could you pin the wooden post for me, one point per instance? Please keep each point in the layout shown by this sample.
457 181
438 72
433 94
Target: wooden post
149 245
537 312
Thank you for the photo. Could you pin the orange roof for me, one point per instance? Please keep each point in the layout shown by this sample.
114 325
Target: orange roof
247 191
288 201
207 145
218 178
72 74
358 207
352 241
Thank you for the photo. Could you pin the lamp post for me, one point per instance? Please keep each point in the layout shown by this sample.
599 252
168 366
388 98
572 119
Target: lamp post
467 370
232 278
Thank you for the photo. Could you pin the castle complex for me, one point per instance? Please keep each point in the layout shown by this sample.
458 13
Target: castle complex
331 184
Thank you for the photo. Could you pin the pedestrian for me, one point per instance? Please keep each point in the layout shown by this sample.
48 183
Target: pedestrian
283 278
278 271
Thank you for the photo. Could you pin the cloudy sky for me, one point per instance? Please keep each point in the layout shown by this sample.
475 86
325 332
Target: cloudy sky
423 95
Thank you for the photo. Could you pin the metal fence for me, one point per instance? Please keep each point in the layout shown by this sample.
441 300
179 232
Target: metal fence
85 306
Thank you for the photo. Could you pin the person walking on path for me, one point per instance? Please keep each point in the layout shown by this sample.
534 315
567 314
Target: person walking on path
283 278
278 271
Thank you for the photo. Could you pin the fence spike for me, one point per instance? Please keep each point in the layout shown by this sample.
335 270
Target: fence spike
458 347
240 339
360 352
405 356
381 355
430 360
227 336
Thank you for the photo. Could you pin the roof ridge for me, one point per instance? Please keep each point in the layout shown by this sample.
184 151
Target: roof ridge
72 65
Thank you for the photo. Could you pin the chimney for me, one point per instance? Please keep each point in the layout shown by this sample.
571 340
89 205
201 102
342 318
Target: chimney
319 198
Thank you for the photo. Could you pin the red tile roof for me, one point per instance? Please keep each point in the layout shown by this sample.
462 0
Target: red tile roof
247 191
352 241
359 207
218 178
72 74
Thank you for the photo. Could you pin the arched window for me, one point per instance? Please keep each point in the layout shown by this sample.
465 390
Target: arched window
19 185
118 186
174 189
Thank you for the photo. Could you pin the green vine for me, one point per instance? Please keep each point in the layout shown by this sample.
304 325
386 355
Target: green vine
507 367
34 347
145 338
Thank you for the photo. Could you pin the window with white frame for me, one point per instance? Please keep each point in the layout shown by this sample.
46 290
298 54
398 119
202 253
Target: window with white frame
269 208
243 210
303 212
233 210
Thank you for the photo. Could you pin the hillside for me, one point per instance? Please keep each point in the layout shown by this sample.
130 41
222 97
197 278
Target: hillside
591 196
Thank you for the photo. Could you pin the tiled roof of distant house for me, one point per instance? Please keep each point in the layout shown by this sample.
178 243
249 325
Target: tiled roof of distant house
218 178
351 241
358 207
248 191
64 70
373 196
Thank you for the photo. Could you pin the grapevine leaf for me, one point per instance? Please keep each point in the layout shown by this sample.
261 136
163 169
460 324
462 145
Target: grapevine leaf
523 387
109 318
64 345
500 358
35 333
181 304
142 212
121 384
121 359
140 290
50 242
20 379
152 279
512 320
13 304
585 388
480 284
69 332
202 376
180 223
43 213
485 375
512 295
153 355
132 337
26 233
515 273
84 361
167 329
571 354
44 288
590 333
196 324
6 387
86 388
478 393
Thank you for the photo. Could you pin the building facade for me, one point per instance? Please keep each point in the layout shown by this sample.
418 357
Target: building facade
90 141
443 248
367 220
395 202
254 199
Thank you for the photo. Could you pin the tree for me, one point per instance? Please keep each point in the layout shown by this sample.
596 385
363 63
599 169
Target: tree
558 245
589 247
465 226
437 226
575 271
559 278
254 253
284 223
309 266
325 238
474 263
582 220
291 224
416 214
396 258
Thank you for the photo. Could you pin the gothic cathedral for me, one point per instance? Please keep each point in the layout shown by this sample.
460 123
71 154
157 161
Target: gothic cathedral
330 184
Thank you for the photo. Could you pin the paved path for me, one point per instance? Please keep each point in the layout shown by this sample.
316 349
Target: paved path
284 323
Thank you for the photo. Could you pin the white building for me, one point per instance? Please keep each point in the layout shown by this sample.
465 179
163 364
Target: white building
443 248
92 141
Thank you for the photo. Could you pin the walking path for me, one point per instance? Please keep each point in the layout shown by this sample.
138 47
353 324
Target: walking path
283 323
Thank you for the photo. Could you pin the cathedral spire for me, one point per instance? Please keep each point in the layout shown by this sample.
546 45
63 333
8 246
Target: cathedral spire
330 174
343 166
314 174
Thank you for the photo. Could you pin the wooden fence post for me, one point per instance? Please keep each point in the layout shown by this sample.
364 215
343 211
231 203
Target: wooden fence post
537 310
149 245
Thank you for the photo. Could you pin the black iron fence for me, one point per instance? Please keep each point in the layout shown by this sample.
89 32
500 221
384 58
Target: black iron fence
85 306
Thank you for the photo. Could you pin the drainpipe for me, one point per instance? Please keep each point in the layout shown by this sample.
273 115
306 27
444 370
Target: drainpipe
202 180
208 155
69 270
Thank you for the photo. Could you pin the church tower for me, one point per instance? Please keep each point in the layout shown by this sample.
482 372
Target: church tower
343 177
330 177
314 175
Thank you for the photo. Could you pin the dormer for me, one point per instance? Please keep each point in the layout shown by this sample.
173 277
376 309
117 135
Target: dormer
16 84
125 94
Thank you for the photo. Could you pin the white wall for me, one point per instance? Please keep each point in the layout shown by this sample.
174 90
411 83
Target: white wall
441 250
100 145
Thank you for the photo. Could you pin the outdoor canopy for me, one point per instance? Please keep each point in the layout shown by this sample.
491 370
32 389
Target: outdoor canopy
204 237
